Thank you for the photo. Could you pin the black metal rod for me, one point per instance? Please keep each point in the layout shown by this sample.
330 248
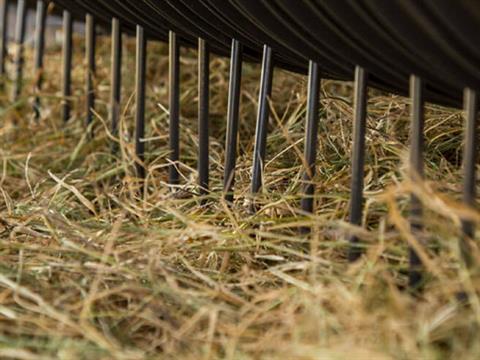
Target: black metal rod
469 167
67 65
19 51
203 115
39 53
233 109
141 64
174 100
3 38
416 174
311 136
116 76
262 119
358 157
90 42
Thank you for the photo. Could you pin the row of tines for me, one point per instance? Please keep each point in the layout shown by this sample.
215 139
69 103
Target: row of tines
267 67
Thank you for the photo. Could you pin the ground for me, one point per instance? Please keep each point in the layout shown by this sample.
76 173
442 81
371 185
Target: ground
91 268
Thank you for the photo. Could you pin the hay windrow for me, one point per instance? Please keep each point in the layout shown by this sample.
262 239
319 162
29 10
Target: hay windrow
89 269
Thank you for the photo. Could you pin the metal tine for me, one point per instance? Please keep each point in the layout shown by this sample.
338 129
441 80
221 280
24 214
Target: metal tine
416 174
19 51
358 157
174 100
116 77
67 65
141 63
203 115
263 115
39 53
90 47
470 99
3 38
311 136
233 109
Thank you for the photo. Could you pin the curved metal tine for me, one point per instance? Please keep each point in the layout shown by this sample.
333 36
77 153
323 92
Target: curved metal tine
141 63
470 99
67 65
90 44
19 51
39 54
358 157
311 138
116 78
174 100
262 121
416 174
232 119
203 115
3 39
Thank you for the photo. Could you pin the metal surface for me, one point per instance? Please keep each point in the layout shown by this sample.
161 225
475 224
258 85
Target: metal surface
232 119
203 115
3 39
141 64
116 77
262 119
433 39
469 169
90 47
39 54
392 40
67 66
19 48
416 175
358 157
174 101
311 137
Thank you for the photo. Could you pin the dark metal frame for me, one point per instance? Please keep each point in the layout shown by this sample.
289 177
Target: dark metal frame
358 156
233 113
469 167
67 65
311 137
140 88
174 100
416 174
3 37
203 115
19 51
266 83
90 49
116 77
289 57
41 16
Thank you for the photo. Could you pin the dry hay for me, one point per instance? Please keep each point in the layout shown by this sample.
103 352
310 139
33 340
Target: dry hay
90 269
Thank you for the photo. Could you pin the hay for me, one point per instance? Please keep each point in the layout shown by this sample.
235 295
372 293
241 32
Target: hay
92 270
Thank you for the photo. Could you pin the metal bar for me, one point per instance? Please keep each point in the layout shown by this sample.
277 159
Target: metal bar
311 136
233 109
174 100
141 64
19 51
3 38
90 42
416 174
39 53
203 115
116 76
262 119
358 157
67 65
469 168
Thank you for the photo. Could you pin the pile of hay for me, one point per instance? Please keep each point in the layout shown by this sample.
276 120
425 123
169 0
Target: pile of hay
91 269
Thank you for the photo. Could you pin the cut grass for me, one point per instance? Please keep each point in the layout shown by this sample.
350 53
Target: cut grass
90 269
